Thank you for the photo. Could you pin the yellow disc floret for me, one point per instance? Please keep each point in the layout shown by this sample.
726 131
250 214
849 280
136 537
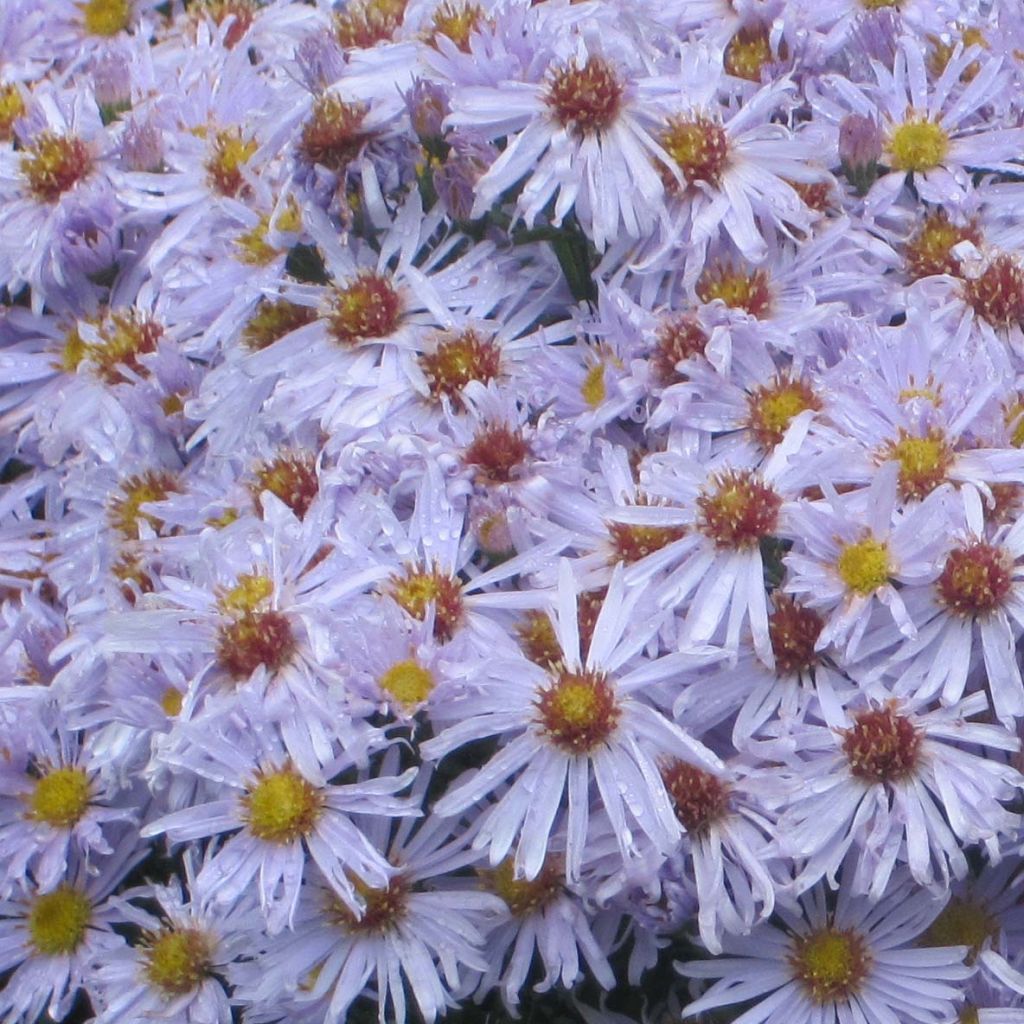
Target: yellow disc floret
58 920
864 566
408 682
60 797
178 961
282 806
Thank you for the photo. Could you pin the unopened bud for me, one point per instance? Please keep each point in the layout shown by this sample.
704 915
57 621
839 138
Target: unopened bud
860 149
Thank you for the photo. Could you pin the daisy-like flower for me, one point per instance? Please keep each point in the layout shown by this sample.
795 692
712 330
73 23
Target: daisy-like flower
57 801
827 965
175 973
577 723
893 782
279 815
580 134
850 549
423 928
53 939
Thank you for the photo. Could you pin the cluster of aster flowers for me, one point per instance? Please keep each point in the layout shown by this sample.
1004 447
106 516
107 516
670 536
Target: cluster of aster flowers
511 509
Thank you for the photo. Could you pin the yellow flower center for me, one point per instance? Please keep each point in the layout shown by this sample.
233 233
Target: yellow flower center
364 23
698 145
747 53
53 164
60 797
774 407
923 461
58 920
291 477
593 388
459 359
585 99
251 590
525 896
126 509
917 145
12 106
106 17
408 682
738 289
418 588
282 807
829 965
231 151
457 22
864 566
578 711
273 319
366 307
171 702
178 961
961 923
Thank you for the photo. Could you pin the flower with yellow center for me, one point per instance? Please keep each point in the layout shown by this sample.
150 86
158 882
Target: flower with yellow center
864 565
408 682
58 920
917 145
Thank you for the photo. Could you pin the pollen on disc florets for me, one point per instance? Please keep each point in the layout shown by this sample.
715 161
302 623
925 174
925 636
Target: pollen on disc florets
678 338
384 907
794 630
917 145
997 293
230 151
929 251
738 509
699 147
699 798
106 17
58 920
334 133
524 896
12 106
364 23
253 635
178 961
53 164
273 319
864 565
457 22
585 99
125 511
60 797
962 922
976 579
498 454
749 290
408 682
364 308
417 588
124 339
830 965
882 745
631 541
924 462
748 53
282 806
772 407
458 359
292 477
578 711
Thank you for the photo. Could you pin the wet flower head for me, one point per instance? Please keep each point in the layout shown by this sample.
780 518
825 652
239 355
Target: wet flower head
997 293
578 711
929 250
924 462
281 807
794 630
864 565
230 151
699 147
748 53
631 542
772 407
497 454
417 588
525 896
408 682
962 922
976 579
334 133
365 308
253 635
678 338
585 99
699 798
748 290
178 961
292 477
241 13
60 797
829 965
126 508
458 359
738 509
365 23
12 106
881 745
273 319
917 145
52 164
105 17
58 920
384 907
457 22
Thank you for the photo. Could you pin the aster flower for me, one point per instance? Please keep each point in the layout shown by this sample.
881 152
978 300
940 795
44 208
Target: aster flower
855 961
578 721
